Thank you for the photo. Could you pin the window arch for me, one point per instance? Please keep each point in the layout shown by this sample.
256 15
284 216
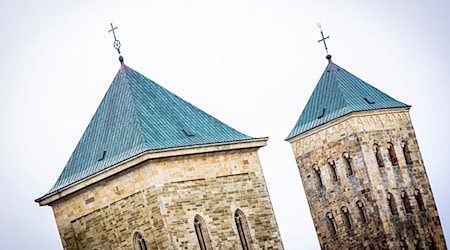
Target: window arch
405 201
391 203
347 164
392 155
243 229
378 155
319 182
347 218
331 223
139 242
362 212
202 233
332 165
406 153
419 200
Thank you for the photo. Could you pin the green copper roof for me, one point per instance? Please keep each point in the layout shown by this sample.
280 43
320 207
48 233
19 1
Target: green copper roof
138 115
339 93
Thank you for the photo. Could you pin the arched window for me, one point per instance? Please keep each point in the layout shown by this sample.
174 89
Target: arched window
391 203
331 224
347 164
334 175
378 155
319 182
362 212
392 155
202 233
419 200
406 153
405 201
139 242
243 229
347 219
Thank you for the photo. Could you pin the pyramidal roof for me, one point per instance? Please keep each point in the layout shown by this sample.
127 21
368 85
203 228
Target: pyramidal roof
138 115
339 93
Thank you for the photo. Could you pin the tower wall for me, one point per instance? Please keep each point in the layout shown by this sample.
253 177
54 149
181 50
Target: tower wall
160 198
369 222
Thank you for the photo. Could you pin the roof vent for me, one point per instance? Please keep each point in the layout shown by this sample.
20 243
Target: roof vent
101 155
321 111
188 132
369 100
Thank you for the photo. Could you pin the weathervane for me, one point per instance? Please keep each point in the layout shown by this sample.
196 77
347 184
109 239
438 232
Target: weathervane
323 40
116 43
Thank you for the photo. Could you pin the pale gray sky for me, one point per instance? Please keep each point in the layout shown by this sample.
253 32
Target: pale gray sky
251 64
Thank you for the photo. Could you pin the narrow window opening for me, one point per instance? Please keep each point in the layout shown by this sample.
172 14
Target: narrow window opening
139 242
331 224
392 155
316 170
333 170
406 153
347 164
243 229
202 233
362 212
347 218
419 200
378 155
392 205
405 201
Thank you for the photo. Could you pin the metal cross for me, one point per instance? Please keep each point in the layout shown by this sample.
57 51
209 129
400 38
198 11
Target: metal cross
116 43
323 38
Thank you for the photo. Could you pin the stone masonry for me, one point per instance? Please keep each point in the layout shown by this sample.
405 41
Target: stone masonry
159 197
360 201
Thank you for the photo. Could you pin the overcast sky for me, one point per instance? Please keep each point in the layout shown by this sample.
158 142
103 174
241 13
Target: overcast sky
251 64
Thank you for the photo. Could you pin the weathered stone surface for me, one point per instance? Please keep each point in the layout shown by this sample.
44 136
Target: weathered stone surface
159 199
364 193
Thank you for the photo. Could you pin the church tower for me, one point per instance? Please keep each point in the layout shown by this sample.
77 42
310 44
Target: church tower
361 168
152 171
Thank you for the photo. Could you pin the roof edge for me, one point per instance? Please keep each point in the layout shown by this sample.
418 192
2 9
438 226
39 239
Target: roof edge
50 198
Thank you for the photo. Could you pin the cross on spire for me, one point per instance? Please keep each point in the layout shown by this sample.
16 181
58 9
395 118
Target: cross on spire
116 43
323 38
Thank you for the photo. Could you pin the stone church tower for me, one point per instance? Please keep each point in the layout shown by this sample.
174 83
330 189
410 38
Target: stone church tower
152 171
361 168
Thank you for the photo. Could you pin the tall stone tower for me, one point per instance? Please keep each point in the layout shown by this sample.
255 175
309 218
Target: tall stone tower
361 168
152 171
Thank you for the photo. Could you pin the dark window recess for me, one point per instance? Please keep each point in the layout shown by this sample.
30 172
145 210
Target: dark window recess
347 218
419 200
392 205
331 224
242 227
188 132
362 212
101 155
405 201
369 100
321 112
202 233
392 155
378 155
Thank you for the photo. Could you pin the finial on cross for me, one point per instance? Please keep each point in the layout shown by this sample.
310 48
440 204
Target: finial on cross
116 43
323 38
